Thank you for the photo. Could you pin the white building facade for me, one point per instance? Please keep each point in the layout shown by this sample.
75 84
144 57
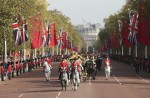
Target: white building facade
89 33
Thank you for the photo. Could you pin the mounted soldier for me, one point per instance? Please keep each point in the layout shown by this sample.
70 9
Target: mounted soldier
89 67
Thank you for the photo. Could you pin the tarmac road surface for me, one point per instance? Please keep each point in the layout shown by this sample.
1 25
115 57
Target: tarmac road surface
123 83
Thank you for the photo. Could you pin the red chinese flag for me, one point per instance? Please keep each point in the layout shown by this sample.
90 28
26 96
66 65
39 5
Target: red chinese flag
114 41
37 40
37 35
144 31
64 40
53 40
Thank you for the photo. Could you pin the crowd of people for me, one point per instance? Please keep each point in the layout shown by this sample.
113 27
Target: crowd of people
11 69
87 65
79 67
140 64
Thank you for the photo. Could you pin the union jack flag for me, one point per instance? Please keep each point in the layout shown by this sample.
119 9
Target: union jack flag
60 36
17 33
24 32
47 30
44 41
133 27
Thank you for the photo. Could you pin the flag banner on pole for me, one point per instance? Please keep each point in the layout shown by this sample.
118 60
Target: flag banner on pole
53 40
133 27
144 31
17 33
109 43
20 34
125 33
47 31
68 44
59 39
64 40
44 40
37 40
24 32
114 40
36 31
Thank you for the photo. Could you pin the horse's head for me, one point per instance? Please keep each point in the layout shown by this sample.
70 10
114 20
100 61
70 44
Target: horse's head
75 68
64 74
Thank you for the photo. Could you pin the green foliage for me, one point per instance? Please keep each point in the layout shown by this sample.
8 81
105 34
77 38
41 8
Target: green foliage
27 9
12 8
111 23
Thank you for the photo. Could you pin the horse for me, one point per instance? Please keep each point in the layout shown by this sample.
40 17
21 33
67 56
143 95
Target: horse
64 79
75 77
91 69
107 70
94 71
47 70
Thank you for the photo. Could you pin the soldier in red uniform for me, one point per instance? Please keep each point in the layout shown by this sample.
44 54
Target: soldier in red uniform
20 67
77 63
13 68
9 69
24 66
48 60
107 61
63 66
2 72
29 66
17 68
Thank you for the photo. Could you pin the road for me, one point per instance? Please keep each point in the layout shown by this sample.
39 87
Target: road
124 83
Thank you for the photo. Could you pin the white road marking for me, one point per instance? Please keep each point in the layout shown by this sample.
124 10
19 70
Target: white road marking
20 95
9 95
58 94
117 80
143 79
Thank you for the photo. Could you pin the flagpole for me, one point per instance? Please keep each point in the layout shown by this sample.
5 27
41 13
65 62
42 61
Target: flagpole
145 51
24 57
57 49
66 52
136 50
5 51
43 53
35 53
122 50
129 50
60 51
53 50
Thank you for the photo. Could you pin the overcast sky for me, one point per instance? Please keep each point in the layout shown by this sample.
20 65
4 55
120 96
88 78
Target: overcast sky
84 11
